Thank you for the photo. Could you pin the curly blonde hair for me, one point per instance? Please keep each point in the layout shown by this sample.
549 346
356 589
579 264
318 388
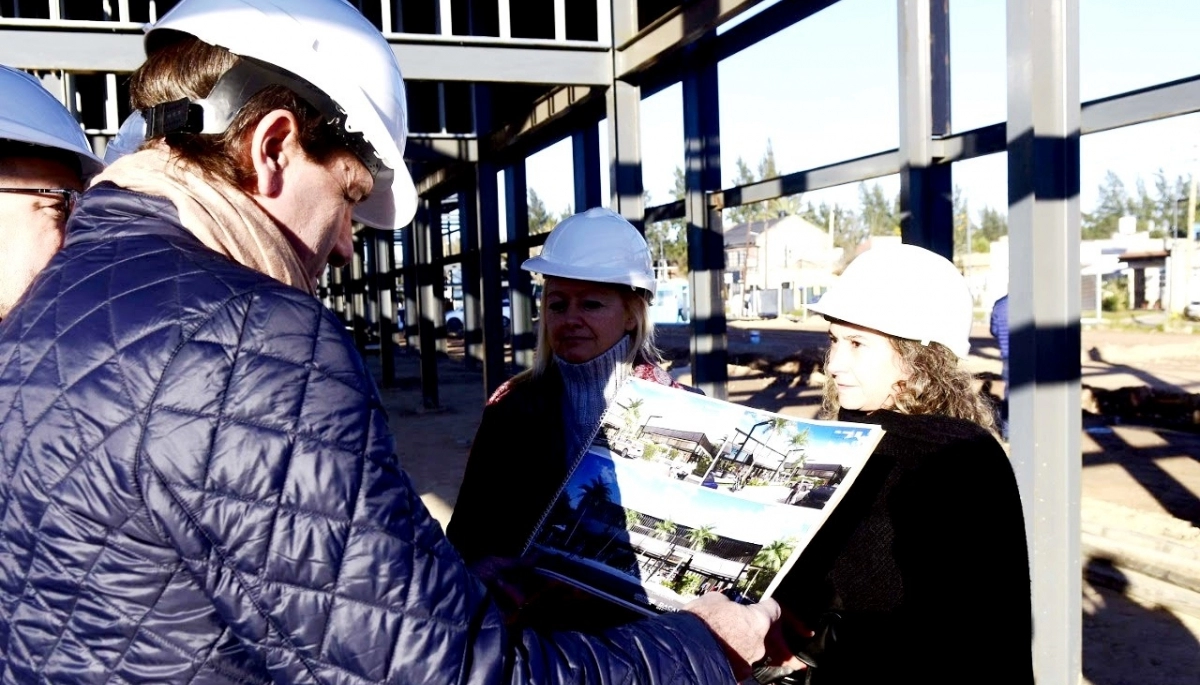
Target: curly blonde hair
936 384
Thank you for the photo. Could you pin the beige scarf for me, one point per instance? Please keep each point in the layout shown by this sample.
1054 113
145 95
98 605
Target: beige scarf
219 214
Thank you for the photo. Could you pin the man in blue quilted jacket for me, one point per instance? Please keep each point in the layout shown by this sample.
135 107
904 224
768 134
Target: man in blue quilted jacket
198 483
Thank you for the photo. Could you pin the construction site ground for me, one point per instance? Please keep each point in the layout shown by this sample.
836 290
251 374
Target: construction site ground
1140 478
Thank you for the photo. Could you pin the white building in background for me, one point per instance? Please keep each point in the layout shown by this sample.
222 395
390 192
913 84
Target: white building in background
1161 273
777 266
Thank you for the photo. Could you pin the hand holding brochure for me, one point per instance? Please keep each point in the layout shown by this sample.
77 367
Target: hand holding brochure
680 494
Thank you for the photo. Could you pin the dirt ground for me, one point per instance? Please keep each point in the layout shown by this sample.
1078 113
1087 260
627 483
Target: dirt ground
1130 472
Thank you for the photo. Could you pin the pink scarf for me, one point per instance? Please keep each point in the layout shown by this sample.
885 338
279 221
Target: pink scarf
219 214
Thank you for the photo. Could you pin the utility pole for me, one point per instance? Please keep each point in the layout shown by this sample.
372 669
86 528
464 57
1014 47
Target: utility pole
1191 208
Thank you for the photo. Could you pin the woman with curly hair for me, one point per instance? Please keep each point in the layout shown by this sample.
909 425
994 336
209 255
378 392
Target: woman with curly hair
923 566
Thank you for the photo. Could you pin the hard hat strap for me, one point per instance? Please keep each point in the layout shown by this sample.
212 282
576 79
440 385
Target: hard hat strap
213 115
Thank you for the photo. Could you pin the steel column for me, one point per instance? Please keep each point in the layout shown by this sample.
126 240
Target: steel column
625 153
472 284
358 297
411 269
586 146
385 295
623 101
429 297
705 237
516 205
926 193
487 236
1043 133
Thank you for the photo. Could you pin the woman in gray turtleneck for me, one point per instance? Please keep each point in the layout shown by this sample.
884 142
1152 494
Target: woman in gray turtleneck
594 333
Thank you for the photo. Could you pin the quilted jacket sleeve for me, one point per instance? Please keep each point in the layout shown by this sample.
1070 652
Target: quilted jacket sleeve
267 463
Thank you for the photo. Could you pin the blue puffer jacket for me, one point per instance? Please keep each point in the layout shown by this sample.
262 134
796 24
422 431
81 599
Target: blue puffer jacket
199 486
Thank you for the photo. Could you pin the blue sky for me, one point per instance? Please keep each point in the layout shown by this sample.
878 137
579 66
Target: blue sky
826 89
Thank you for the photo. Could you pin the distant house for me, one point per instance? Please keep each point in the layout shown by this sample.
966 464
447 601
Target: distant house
775 255
768 254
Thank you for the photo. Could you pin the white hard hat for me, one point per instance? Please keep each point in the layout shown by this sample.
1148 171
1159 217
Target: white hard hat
598 245
341 56
905 291
30 114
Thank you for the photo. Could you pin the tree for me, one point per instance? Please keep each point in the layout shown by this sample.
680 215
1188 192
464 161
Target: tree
993 224
839 221
540 220
798 441
595 493
879 216
664 529
1113 204
700 536
770 559
761 211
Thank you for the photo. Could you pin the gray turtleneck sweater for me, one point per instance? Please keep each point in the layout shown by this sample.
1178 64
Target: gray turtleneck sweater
588 388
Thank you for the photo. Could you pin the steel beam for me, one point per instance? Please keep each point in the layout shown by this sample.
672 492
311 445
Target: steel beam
623 20
1043 135
624 152
448 148
550 118
113 47
705 237
585 145
516 205
673 31
1143 105
926 203
671 210
860 169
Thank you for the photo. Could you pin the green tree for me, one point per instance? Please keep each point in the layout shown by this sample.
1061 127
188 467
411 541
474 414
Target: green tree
540 220
760 211
993 224
700 536
665 529
1112 204
847 233
767 562
796 443
878 214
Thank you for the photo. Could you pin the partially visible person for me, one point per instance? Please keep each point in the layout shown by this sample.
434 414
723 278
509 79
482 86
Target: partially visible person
45 160
199 482
999 328
595 332
922 571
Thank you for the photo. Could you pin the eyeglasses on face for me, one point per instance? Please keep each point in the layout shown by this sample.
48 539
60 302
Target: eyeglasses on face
67 196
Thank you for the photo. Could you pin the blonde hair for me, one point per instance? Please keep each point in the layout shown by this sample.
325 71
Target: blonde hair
936 384
641 345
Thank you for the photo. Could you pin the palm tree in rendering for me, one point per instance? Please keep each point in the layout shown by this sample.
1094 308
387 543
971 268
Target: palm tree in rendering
700 536
770 558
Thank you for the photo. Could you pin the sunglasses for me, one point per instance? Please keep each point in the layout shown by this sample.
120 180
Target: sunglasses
68 197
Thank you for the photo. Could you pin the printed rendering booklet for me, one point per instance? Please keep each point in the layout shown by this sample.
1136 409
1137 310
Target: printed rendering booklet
680 494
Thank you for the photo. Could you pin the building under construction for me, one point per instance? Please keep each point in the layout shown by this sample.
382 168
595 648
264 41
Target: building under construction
492 82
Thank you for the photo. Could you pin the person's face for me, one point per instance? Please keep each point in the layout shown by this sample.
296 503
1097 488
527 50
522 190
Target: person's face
312 201
31 226
584 319
864 366
319 224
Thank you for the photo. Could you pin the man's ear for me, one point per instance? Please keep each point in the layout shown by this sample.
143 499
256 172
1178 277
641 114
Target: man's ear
273 143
